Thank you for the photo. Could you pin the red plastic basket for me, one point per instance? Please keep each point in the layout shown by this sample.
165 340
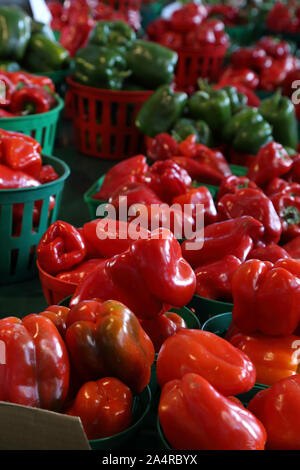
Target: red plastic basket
124 5
193 64
54 289
104 120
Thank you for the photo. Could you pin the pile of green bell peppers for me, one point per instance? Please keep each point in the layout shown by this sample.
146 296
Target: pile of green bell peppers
114 58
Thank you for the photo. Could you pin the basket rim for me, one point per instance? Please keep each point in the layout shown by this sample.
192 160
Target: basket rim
54 278
205 49
99 91
31 117
63 177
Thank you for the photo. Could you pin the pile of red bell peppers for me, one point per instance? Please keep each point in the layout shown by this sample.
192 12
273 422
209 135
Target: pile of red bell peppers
284 17
190 27
263 66
25 94
76 18
21 166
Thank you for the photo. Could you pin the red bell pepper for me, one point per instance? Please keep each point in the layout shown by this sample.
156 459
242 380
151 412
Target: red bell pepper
287 206
162 327
21 153
193 415
147 277
202 172
156 29
232 237
226 368
266 297
232 184
276 185
31 100
278 408
106 340
58 314
133 193
171 40
214 280
60 248
12 179
36 371
243 76
79 273
272 161
270 253
196 196
123 173
293 248
168 180
187 17
47 174
278 18
273 358
214 158
161 147
273 76
105 241
254 203
104 407
274 47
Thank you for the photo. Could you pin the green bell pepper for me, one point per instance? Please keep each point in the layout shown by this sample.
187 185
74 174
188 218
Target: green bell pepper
212 106
160 112
152 65
44 55
237 100
244 118
100 67
14 32
185 127
112 33
250 139
38 27
279 111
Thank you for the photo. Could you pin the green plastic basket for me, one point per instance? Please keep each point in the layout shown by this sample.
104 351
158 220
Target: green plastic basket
208 308
17 252
41 127
243 35
219 326
263 94
163 441
141 408
57 76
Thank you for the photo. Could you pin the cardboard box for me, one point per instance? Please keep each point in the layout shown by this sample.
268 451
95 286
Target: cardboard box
27 428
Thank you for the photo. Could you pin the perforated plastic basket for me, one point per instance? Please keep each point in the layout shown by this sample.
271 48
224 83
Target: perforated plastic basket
42 127
193 64
17 249
104 120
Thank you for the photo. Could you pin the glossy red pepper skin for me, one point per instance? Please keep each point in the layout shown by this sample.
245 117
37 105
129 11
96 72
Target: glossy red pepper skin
171 40
58 314
293 248
197 196
274 358
168 180
161 147
270 253
273 76
134 193
11 179
213 158
106 340
36 372
228 369
198 171
256 286
123 173
31 100
108 237
187 17
272 161
276 185
254 203
278 408
162 327
80 272
27 79
274 47
287 206
147 278
214 280
60 248
233 183
47 174
21 153
104 407
231 237
157 28
243 76
194 416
